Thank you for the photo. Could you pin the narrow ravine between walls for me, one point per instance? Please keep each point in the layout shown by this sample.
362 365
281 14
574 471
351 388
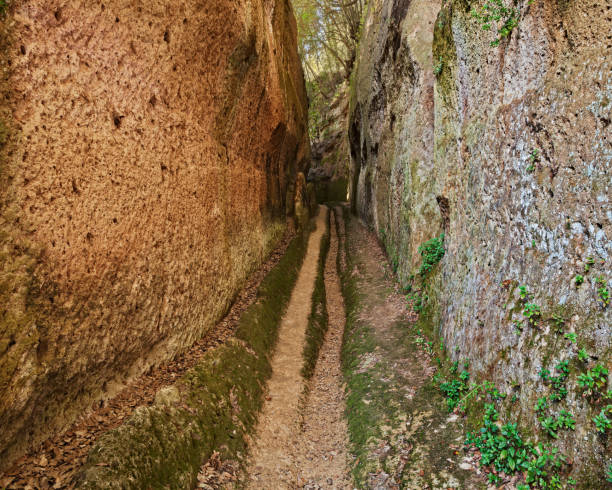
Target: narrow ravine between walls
306 244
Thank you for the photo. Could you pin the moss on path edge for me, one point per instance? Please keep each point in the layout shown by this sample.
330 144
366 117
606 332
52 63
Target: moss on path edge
401 434
212 407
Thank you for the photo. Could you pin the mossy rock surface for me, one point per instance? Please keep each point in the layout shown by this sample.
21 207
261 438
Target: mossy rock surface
318 323
400 430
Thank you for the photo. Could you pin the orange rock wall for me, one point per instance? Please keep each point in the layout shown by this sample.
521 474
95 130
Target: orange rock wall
147 161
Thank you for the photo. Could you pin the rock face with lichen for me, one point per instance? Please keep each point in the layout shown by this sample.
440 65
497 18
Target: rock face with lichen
507 150
148 154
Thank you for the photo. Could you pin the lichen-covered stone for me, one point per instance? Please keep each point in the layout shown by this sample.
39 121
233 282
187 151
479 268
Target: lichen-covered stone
452 152
147 150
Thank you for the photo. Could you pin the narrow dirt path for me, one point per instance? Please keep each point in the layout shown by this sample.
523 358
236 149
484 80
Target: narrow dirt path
301 443
323 442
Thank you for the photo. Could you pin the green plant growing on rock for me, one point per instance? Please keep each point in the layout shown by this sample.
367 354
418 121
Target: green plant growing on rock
432 252
523 293
559 393
582 355
563 368
558 382
532 312
601 421
603 292
589 263
518 327
566 420
539 468
550 426
593 380
495 12
491 390
453 390
609 473
571 336
578 280
541 405
534 155
503 447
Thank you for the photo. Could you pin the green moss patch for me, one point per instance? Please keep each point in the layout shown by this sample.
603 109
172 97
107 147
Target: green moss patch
212 407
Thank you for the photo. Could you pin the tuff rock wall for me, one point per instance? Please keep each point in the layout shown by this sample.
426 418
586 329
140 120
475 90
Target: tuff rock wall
442 129
149 154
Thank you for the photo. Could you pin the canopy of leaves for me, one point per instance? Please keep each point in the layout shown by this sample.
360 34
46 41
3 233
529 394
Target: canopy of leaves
328 34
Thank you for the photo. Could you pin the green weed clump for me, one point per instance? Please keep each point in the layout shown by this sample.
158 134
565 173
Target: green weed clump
551 425
534 157
454 390
432 252
603 292
583 356
601 421
532 312
557 382
495 12
503 447
593 381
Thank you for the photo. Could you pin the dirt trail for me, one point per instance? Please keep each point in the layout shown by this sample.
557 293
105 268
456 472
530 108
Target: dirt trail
403 435
302 443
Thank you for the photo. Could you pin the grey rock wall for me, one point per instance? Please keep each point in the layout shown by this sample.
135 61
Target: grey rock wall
451 152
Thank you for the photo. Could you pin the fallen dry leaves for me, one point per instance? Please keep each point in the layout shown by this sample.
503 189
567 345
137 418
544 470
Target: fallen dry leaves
216 473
